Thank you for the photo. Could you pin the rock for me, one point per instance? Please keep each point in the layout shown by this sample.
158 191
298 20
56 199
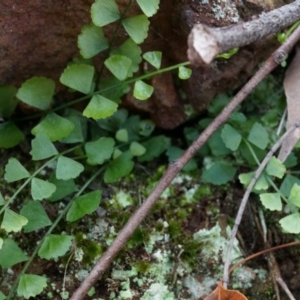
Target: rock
39 38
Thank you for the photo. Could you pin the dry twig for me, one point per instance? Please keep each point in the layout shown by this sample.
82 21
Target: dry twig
246 197
205 42
176 167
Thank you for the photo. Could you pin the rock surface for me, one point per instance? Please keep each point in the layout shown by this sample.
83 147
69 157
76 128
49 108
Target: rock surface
39 38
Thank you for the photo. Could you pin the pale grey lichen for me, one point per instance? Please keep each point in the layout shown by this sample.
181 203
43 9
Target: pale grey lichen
158 291
215 244
223 9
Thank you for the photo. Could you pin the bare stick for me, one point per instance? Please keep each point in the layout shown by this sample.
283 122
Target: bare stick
205 42
175 168
246 197
285 288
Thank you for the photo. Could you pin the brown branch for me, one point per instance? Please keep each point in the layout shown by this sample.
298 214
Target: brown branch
205 43
176 167
263 252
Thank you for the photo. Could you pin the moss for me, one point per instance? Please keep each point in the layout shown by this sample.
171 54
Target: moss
191 250
138 238
90 249
143 266
175 228
159 226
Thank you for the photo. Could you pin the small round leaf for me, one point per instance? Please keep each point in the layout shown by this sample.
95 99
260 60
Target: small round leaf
68 168
142 90
37 92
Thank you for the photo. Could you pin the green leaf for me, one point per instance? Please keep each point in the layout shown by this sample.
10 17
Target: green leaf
2 201
294 197
55 245
10 135
275 168
54 126
149 8
132 51
237 117
174 153
291 161
100 108
146 127
137 149
31 285
104 12
78 77
99 151
8 101
2 296
12 221
153 58
142 90
42 147
119 66
15 171
63 188
291 223
68 168
271 117
114 89
217 145
137 27
84 205
91 41
261 183
78 134
11 254
117 153
114 122
219 173
271 201
218 103
287 184
118 168
155 147
258 136
36 215
41 189
247 154
122 135
184 73
37 92
231 137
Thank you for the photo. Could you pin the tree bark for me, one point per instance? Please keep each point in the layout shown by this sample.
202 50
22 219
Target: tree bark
205 42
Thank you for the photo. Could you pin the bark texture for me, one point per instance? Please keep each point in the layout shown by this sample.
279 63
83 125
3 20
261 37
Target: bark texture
205 42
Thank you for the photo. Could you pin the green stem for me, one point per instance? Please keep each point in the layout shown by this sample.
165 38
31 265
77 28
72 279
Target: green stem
12 198
50 231
145 76
269 179
115 34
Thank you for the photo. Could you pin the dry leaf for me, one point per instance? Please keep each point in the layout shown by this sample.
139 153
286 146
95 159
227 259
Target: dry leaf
220 293
292 90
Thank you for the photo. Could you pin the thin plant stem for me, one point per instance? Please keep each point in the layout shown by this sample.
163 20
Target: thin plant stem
246 197
12 198
263 252
115 34
65 210
132 80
